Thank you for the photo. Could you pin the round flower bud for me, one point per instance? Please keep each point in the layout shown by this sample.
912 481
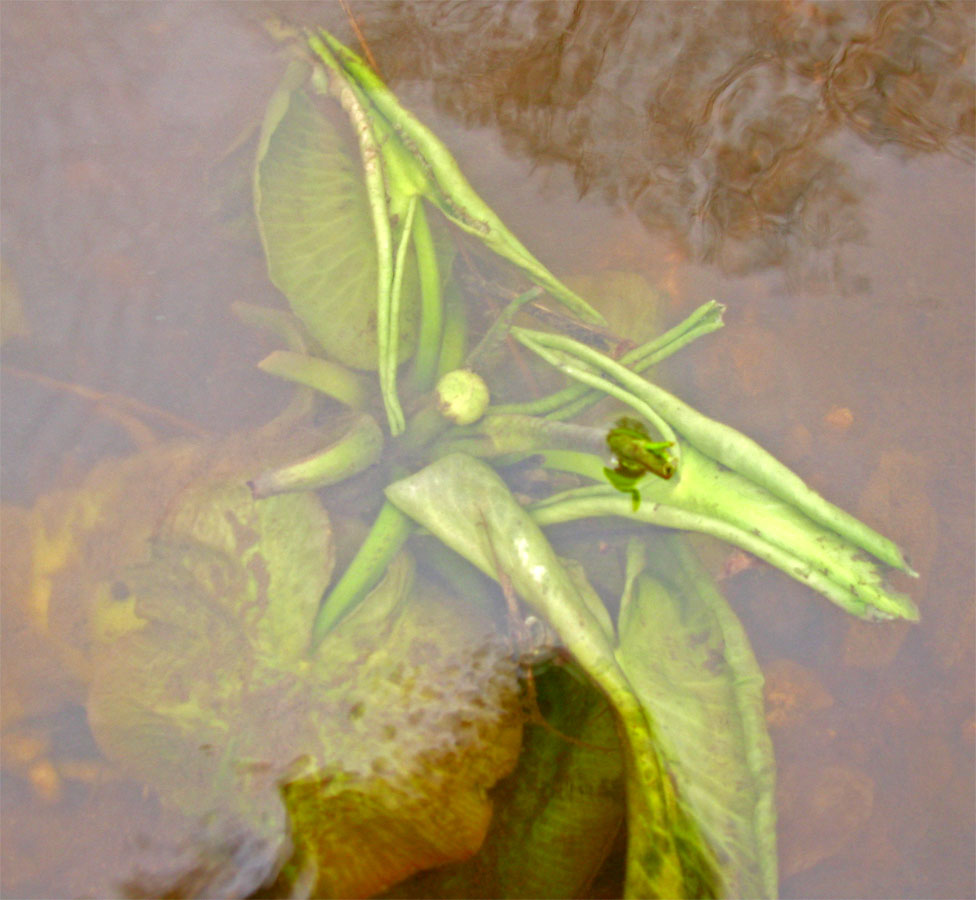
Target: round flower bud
462 396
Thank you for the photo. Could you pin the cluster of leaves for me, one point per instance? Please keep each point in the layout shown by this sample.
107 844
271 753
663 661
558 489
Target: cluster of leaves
695 828
359 736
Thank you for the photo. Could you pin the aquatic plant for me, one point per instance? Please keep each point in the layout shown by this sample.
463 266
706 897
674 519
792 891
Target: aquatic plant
371 726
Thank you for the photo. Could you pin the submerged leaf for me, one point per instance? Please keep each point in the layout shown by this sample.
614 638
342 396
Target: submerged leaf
374 757
416 718
189 607
556 816
316 226
195 637
630 304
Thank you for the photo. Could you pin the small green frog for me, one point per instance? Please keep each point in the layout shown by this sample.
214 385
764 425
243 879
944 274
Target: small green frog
636 455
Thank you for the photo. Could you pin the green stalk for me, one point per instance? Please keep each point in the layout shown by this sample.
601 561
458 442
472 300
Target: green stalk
704 320
454 340
567 364
503 435
576 398
356 451
389 361
722 443
320 374
389 532
585 464
708 490
376 192
431 304
866 601
426 425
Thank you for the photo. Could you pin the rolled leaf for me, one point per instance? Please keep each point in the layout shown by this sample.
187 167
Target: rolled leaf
444 184
721 503
721 442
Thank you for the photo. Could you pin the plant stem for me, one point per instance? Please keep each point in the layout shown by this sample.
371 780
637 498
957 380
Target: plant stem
576 398
566 363
389 532
356 451
503 435
454 339
320 374
862 600
431 304
391 358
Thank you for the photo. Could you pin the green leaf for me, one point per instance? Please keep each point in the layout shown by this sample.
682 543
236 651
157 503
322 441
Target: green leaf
316 225
466 505
691 665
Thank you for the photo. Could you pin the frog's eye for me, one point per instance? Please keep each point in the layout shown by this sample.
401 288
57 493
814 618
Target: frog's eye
120 591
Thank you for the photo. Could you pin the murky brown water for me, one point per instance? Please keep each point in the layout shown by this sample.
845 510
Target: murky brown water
810 165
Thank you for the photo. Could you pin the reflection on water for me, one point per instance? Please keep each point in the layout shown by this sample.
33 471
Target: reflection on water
710 121
807 163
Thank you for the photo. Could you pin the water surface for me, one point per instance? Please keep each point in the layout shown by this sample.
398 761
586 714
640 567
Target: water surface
809 165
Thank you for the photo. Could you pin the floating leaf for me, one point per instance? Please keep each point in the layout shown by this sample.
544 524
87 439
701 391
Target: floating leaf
690 663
